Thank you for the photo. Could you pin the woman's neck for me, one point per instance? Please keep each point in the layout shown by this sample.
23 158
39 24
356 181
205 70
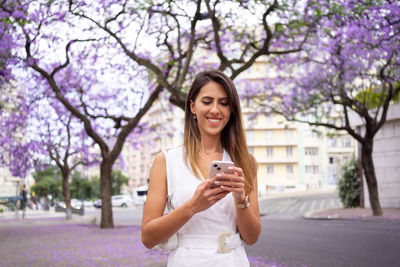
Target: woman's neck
210 145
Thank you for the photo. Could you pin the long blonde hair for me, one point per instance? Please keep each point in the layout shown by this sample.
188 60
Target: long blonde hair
233 138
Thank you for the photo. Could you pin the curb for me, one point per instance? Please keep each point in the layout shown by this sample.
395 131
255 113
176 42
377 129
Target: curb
335 216
309 216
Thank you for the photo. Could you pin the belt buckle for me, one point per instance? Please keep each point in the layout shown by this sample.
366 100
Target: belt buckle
222 243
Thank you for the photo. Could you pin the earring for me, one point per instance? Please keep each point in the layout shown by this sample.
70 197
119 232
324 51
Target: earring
194 116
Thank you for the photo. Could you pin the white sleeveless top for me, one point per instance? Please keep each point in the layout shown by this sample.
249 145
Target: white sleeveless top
219 218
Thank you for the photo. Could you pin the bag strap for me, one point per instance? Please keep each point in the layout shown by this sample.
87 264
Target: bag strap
169 188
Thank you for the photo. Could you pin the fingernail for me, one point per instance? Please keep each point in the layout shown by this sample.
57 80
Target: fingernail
230 168
216 182
218 175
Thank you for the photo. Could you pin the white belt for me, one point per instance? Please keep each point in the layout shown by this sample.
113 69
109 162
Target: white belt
224 242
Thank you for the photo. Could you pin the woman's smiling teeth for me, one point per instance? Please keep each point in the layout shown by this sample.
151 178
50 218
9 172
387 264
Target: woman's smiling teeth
214 120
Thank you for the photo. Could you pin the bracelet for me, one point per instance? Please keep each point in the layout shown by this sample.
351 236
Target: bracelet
245 204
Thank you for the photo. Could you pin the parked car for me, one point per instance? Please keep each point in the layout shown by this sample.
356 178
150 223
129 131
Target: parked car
121 200
88 203
117 201
75 207
140 195
97 203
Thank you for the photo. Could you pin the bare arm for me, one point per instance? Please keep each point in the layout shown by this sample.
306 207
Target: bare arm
157 227
247 219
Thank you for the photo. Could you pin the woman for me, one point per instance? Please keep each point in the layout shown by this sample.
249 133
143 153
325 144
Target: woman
213 216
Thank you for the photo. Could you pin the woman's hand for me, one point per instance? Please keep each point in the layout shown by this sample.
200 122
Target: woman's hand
206 195
232 183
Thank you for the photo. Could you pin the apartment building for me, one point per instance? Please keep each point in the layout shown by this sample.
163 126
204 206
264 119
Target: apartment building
9 185
166 131
294 156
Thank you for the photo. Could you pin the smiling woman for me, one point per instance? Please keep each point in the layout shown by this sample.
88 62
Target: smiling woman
211 109
212 216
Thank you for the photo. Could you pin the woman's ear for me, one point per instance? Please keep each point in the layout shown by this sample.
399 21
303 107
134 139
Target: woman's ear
192 109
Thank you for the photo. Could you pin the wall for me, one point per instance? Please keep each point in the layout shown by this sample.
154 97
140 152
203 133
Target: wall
386 157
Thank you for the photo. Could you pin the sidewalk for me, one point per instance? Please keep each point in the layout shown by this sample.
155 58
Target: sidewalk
31 214
53 241
354 214
296 193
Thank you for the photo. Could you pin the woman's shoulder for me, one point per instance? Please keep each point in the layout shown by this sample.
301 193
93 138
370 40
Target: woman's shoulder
173 151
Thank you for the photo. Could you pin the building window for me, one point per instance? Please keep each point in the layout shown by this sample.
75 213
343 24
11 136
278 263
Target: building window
333 160
251 150
346 142
289 169
249 135
312 169
332 142
289 151
269 134
268 118
270 169
270 152
249 102
288 134
311 151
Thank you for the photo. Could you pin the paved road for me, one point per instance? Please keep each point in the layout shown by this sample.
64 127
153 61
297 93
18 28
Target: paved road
297 205
283 206
301 242
289 240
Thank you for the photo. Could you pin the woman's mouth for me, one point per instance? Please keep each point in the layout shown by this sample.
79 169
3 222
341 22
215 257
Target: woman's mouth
214 121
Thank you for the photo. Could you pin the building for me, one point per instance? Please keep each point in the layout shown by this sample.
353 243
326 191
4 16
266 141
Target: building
9 185
165 130
386 156
294 156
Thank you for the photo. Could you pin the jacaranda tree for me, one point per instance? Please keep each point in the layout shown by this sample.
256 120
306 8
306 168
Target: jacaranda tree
107 61
38 132
65 141
353 58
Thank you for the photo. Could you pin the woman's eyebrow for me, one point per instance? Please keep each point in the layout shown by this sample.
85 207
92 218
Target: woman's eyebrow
210 97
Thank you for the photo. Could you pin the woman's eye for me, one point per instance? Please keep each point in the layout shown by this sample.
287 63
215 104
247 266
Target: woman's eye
224 104
206 102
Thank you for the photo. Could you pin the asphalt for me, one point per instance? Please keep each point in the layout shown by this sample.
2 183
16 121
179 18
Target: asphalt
22 234
326 214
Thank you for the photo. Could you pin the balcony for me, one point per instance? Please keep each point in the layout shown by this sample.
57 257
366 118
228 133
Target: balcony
272 142
272 160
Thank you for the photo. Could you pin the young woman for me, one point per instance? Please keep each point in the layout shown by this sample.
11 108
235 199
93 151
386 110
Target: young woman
213 216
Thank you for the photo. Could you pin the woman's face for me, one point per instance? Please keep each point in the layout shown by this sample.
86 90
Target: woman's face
212 110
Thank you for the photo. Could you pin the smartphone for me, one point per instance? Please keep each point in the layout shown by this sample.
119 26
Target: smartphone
218 167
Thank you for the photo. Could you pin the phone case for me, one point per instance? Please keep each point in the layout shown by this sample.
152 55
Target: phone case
220 166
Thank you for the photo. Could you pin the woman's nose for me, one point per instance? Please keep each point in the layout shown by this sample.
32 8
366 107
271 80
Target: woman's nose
214 109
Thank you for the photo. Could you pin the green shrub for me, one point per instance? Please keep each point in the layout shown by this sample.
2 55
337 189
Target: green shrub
1 210
349 185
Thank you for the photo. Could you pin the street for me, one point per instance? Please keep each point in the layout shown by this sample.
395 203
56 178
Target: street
302 242
297 205
287 239
290 240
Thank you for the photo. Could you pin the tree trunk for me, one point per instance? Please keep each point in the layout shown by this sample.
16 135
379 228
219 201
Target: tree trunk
369 172
67 195
105 192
